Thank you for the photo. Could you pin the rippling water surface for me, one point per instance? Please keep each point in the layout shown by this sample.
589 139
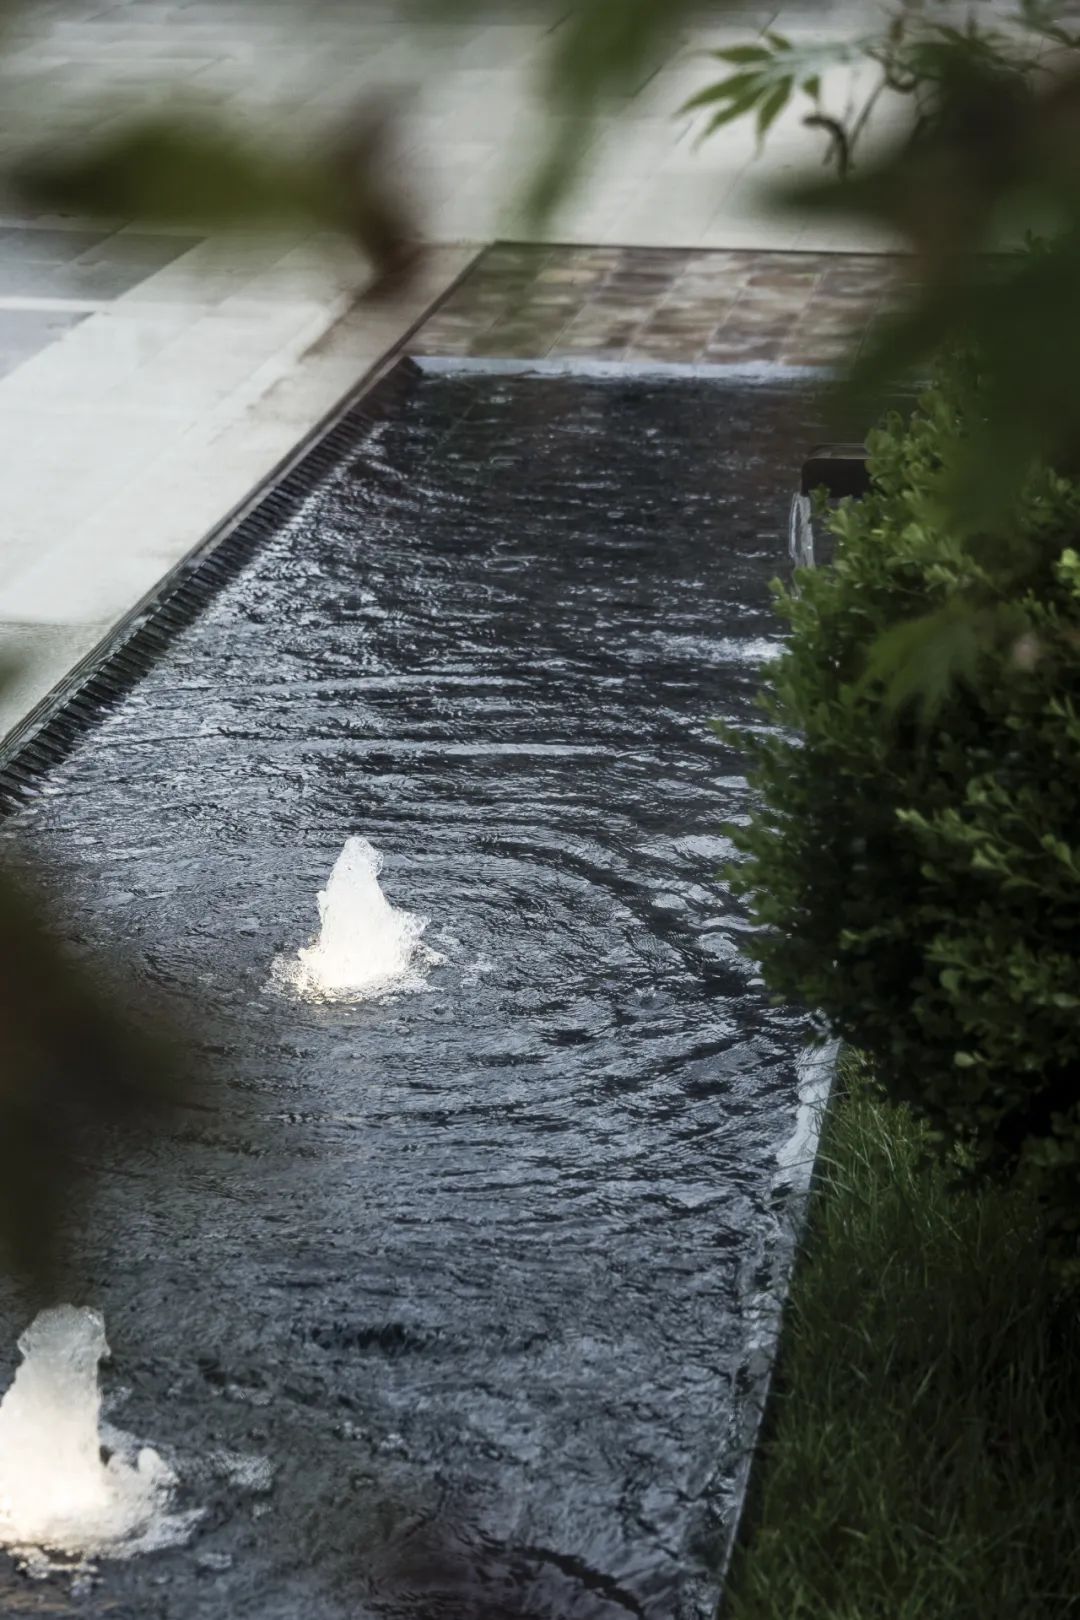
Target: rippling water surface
469 1266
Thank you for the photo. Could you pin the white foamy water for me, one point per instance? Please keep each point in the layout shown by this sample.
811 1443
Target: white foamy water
57 1495
801 531
365 947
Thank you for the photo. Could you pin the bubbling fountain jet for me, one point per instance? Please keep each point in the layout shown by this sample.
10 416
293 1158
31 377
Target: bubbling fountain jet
58 1493
365 947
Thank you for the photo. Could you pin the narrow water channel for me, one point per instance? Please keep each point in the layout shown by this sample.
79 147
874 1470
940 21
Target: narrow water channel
463 1267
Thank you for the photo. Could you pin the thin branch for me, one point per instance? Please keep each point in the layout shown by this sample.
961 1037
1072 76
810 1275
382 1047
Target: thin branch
863 118
839 135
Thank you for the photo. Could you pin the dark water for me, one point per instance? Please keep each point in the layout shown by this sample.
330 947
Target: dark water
470 1267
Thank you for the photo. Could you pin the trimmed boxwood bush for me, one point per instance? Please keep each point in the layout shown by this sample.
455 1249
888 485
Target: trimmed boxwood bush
915 865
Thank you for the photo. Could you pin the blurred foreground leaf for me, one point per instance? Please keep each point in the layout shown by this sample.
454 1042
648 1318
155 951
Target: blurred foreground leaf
178 169
73 1064
919 661
989 153
597 52
605 49
766 75
1000 157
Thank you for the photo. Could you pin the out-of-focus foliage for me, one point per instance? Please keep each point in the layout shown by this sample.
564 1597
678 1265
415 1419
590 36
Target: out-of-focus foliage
180 167
177 168
908 55
180 171
769 72
990 153
987 155
915 869
1001 155
601 51
605 49
75 1061
1005 159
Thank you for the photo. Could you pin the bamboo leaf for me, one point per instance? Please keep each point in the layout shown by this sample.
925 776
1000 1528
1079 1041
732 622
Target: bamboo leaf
772 107
729 114
740 54
724 90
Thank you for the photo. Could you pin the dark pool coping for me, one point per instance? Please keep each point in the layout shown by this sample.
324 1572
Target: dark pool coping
790 1191
116 665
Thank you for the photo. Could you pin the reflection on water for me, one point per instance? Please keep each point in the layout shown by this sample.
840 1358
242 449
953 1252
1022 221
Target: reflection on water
801 531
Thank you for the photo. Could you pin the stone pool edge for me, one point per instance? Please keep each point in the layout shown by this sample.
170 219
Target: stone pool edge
791 1191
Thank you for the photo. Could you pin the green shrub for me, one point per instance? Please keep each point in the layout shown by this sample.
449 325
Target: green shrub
915 867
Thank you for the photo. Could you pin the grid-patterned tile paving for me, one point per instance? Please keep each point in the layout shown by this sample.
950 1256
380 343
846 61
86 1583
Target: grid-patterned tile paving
91 266
686 306
25 332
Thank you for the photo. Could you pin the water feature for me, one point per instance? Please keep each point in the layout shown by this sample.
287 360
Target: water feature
365 946
478 1271
61 1491
801 531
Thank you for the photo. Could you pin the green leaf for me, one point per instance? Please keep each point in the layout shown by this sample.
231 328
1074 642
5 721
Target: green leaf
772 107
77 1055
735 86
738 110
602 49
921 660
176 168
740 54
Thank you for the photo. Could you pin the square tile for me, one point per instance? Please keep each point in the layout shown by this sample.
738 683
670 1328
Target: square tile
98 282
33 246
25 332
138 250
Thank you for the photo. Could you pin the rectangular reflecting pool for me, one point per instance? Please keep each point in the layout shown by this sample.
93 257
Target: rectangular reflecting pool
466 1272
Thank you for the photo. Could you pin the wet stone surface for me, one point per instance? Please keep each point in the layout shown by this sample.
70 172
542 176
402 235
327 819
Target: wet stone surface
440 1305
666 305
